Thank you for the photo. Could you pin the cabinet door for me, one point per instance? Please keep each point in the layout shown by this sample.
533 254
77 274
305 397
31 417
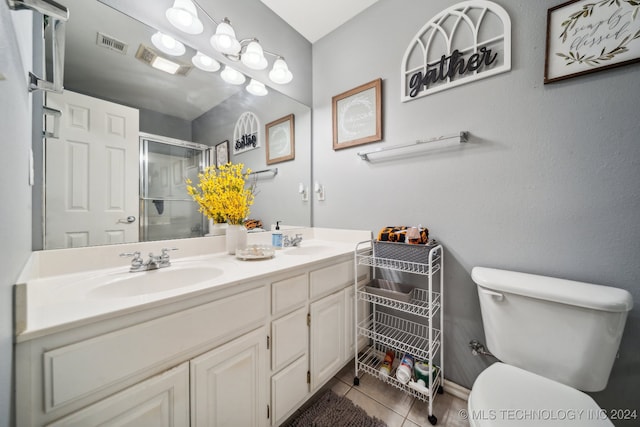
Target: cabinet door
228 384
350 323
288 389
289 337
327 337
161 401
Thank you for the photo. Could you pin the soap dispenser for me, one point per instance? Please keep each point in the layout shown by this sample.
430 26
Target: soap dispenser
276 237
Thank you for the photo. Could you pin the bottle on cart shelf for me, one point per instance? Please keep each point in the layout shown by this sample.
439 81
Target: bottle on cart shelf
404 371
387 364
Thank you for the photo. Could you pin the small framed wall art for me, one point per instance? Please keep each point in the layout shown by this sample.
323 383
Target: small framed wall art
222 153
357 115
281 140
585 36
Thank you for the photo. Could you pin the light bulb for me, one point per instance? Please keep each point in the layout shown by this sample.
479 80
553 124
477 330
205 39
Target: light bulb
205 63
168 44
257 88
232 76
224 40
280 72
184 16
253 56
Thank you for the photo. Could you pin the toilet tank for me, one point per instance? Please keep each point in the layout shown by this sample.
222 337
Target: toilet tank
561 329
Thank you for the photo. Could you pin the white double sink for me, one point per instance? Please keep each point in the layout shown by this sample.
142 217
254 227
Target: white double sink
47 303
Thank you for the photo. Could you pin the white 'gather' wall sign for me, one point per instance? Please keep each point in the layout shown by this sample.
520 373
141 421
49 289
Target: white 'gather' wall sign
466 42
246 135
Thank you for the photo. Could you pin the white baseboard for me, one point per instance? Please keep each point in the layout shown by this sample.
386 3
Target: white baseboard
456 390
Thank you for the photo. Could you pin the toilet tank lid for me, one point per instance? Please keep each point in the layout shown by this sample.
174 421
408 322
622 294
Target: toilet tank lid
596 297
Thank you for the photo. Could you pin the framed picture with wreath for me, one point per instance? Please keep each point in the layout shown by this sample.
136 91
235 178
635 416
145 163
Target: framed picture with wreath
281 144
357 115
585 36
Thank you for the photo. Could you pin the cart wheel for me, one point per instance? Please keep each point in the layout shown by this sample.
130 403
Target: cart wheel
440 390
432 419
356 381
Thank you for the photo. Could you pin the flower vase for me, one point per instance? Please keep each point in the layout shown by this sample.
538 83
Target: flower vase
217 228
236 238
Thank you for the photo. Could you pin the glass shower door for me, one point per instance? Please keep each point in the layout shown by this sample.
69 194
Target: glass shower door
166 209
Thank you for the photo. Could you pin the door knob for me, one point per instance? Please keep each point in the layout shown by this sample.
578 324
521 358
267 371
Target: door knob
127 220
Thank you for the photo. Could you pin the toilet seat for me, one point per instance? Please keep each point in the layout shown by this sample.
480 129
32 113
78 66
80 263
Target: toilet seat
504 395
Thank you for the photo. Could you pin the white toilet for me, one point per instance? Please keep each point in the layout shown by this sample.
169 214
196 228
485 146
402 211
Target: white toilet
553 337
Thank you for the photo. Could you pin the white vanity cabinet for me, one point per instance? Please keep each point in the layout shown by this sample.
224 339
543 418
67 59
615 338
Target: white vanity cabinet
249 354
309 332
77 371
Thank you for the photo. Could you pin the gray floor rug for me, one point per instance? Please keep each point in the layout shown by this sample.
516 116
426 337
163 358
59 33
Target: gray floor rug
331 410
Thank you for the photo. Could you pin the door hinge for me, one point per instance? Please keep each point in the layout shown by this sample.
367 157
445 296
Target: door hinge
308 377
268 342
308 319
268 412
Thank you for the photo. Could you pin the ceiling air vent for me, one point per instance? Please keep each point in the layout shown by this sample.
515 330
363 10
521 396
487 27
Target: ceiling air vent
111 43
149 56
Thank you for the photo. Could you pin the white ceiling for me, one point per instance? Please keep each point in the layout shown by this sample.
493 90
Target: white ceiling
315 19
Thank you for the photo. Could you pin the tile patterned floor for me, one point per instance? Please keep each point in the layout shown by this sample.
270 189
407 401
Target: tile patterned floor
393 406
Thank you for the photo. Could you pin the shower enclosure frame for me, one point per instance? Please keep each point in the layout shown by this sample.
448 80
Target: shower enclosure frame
204 161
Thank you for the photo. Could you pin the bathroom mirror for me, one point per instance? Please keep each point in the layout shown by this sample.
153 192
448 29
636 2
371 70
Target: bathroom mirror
100 62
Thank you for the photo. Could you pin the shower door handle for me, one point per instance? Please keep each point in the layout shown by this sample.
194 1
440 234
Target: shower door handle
127 220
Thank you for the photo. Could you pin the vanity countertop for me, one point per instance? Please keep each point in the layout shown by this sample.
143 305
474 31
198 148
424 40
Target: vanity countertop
48 303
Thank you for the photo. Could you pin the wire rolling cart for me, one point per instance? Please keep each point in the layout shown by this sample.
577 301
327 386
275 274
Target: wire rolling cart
387 325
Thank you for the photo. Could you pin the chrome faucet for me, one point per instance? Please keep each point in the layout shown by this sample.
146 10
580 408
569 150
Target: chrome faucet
287 242
153 263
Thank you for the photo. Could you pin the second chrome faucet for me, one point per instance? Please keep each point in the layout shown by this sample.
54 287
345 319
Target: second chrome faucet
154 262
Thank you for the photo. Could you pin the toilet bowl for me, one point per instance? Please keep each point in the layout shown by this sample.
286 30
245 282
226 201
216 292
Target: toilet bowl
504 395
553 337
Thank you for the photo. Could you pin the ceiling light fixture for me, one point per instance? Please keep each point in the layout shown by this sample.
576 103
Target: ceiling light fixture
256 88
168 44
232 76
253 56
165 65
248 51
184 16
280 72
205 63
224 40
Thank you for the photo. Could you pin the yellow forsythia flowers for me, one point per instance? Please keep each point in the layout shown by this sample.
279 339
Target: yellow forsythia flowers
221 193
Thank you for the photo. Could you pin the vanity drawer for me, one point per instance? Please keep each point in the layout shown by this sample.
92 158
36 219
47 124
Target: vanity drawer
288 294
78 370
328 279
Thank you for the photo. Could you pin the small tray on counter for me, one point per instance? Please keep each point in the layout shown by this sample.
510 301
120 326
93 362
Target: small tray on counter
256 252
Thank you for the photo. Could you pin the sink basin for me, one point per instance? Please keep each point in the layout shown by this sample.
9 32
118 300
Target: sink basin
306 250
154 281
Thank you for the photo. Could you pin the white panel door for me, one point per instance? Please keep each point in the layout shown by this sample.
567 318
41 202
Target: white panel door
228 384
327 338
92 173
161 401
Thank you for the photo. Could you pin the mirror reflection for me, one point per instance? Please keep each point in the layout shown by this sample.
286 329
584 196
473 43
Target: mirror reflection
157 129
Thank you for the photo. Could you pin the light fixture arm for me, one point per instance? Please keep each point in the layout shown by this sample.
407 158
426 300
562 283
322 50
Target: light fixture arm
243 42
206 13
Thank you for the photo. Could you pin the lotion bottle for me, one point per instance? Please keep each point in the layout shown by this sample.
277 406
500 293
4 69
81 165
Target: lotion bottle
276 237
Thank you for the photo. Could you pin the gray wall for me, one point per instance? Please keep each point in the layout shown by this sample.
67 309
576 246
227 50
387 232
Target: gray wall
277 197
15 209
164 125
549 183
